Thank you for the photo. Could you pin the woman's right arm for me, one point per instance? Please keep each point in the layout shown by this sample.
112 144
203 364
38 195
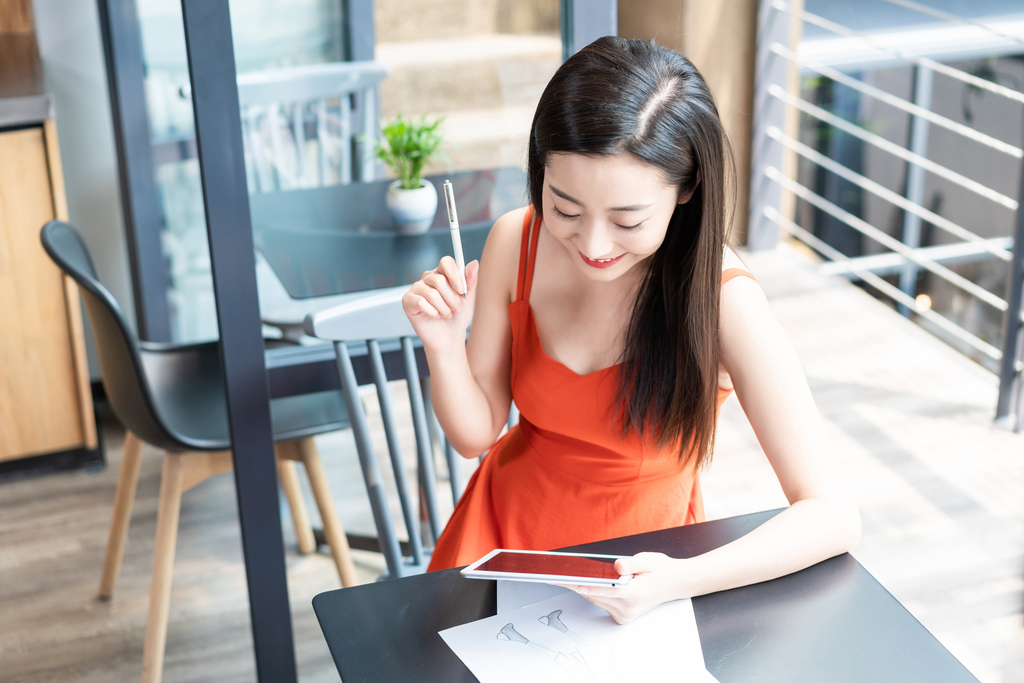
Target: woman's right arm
470 383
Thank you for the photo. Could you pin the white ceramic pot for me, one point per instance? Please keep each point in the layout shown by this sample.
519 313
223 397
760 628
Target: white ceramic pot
412 210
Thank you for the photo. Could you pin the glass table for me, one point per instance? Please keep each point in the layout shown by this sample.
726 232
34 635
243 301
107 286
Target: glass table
319 247
340 239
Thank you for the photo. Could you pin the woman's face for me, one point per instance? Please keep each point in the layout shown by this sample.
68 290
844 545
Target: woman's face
610 213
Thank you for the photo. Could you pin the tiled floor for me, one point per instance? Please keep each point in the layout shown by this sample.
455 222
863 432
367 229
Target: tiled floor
941 491
941 494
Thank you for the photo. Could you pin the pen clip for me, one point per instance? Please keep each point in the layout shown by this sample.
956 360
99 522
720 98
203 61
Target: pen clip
449 200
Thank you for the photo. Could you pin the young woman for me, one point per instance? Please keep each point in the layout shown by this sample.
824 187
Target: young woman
615 316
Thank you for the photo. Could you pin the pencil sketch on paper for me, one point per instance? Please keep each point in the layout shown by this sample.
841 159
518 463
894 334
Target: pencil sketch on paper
581 660
566 639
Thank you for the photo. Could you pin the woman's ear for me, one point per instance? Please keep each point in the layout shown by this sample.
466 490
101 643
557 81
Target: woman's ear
687 196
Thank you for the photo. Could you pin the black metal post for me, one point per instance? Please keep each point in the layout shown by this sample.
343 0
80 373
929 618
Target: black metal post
1011 381
359 33
122 48
211 63
360 46
584 21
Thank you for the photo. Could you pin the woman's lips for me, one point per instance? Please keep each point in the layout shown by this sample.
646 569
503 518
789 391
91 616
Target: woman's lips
600 263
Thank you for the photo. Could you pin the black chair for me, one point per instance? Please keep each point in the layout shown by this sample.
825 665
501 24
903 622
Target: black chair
172 396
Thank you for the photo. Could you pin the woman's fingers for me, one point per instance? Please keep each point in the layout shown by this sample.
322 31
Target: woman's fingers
415 304
423 299
450 269
645 591
597 591
434 294
472 275
640 563
447 280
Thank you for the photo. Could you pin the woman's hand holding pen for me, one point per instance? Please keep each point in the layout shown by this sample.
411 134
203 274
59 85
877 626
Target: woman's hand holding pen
438 312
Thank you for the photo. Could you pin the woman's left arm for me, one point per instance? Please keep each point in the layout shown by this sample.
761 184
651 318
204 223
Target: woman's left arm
822 519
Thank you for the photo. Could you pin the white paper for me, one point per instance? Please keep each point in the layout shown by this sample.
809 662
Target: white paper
515 594
567 639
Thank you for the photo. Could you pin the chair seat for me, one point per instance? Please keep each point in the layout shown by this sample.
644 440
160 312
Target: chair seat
186 381
204 418
296 417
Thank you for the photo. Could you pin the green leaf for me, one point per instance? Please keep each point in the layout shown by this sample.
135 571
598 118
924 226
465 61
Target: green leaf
407 146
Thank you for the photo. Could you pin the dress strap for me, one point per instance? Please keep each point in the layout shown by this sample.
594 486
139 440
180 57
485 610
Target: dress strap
527 257
730 273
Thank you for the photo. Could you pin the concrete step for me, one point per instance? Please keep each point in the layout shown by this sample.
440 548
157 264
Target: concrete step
468 73
403 20
486 138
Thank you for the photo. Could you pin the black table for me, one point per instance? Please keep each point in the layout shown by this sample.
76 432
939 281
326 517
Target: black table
340 239
831 622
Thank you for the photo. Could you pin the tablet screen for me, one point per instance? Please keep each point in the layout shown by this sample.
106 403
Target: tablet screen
555 565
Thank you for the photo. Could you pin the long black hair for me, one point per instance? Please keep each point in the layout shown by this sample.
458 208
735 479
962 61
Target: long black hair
635 97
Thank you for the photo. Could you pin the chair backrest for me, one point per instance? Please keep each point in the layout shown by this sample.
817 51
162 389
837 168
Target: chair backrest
379 321
297 124
120 363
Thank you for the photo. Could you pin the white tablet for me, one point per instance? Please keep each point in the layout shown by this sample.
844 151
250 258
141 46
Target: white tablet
572 569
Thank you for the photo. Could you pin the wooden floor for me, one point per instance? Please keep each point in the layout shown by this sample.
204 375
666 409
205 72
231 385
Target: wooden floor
941 494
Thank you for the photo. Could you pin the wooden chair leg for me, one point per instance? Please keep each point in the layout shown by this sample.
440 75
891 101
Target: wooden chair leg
334 533
171 487
289 478
124 499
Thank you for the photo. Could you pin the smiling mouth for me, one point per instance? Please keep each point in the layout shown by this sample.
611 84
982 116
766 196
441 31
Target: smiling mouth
601 262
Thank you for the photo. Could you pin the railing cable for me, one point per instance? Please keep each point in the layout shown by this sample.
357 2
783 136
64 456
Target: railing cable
892 148
1008 93
881 285
874 233
939 14
900 103
887 194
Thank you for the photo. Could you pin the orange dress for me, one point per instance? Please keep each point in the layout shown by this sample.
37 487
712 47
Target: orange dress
563 476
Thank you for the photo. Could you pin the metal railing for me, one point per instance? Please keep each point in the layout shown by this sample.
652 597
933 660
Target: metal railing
777 152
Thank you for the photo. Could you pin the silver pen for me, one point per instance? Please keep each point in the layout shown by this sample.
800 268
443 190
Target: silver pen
453 223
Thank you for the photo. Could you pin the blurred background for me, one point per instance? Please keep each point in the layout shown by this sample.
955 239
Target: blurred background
878 148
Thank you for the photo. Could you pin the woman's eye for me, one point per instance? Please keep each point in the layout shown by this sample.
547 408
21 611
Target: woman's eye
629 227
566 216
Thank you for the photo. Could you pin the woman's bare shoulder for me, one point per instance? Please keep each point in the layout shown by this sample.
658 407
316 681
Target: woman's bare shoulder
501 251
504 240
739 293
508 229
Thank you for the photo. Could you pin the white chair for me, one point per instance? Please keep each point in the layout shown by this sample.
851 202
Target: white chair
278 309
379 322
299 132
291 115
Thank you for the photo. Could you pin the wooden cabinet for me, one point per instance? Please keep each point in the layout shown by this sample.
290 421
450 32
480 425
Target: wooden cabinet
45 398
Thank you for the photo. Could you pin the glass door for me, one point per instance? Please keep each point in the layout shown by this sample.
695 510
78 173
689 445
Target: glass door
267 34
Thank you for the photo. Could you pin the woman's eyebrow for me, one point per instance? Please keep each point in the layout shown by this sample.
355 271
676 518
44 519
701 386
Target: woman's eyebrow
556 191
631 207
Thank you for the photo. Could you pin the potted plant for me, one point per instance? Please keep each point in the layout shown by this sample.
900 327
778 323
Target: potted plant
406 145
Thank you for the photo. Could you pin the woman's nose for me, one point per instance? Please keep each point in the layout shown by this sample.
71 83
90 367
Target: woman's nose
595 241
